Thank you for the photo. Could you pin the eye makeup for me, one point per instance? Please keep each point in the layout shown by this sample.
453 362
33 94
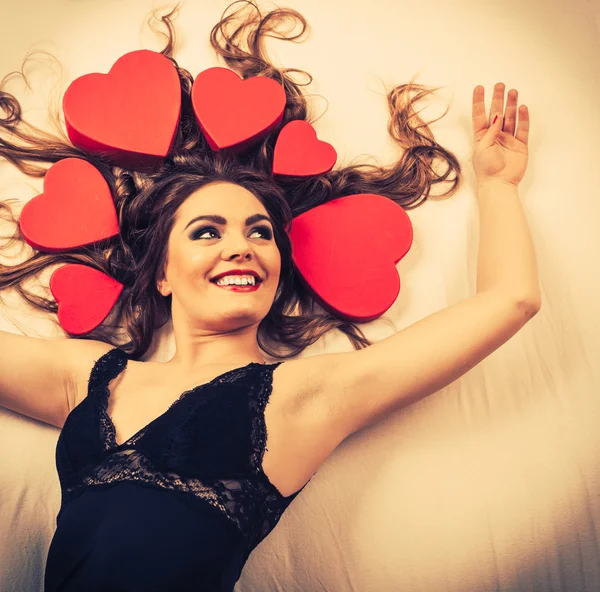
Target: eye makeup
265 230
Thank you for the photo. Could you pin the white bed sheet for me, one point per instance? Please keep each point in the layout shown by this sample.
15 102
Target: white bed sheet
491 484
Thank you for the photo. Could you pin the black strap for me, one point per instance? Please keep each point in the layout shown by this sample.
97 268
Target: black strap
106 368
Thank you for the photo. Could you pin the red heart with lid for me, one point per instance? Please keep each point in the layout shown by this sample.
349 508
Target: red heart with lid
234 113
345 247
76 209
130 114
298 152
85 297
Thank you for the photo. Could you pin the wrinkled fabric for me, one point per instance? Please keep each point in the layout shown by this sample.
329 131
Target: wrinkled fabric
180 505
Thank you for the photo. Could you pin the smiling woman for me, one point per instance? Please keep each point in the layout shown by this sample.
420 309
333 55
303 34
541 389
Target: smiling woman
184 467
149 205
210 253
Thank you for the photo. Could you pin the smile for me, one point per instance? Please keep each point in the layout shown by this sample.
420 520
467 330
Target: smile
236 288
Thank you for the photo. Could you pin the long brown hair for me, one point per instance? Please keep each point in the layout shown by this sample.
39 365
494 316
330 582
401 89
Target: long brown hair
146 203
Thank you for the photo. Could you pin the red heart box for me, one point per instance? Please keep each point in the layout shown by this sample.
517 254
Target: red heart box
346 251
76 209
298 152
234 113
85 297
130 114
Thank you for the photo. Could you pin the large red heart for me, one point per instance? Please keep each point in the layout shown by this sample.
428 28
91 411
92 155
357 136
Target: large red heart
234 113
85 297
298 152
75 209
346 251
130 114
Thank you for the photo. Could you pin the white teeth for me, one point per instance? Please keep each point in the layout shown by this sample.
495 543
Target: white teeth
236 280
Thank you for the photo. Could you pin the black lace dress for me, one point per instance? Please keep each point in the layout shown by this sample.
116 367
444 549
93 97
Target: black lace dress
180 505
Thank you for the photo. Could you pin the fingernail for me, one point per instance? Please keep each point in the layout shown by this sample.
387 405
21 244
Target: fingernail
493 122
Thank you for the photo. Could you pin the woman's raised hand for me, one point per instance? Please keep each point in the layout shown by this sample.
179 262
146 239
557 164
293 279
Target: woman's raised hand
499 154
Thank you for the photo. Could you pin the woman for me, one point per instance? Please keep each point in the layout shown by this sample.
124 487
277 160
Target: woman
172 473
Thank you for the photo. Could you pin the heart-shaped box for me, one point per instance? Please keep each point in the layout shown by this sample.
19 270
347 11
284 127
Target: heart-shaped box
298 152
129 115
85 297
75 209
234 113
346 251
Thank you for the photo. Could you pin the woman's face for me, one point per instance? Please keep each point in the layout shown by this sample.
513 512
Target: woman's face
197 253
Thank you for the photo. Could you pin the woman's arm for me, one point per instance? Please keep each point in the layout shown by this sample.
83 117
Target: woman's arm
507 260
36 376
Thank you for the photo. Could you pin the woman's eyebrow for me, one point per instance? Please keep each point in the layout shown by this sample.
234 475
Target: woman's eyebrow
220 220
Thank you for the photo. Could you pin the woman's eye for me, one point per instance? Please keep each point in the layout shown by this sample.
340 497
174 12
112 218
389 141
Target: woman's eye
198 233
264 230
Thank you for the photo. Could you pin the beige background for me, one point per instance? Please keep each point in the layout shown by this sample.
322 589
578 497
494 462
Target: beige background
492 484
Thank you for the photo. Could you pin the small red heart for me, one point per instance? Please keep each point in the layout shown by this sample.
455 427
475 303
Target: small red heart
85 297
130 114
76 209
346 250
235 113
298 152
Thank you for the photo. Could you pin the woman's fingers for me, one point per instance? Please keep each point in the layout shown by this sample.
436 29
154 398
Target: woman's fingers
523 130
510 117
481 121
497 102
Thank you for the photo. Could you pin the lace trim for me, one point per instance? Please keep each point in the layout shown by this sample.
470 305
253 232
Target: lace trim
228 497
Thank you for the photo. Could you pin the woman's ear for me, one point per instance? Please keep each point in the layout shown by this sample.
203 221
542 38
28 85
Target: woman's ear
162 285
164 288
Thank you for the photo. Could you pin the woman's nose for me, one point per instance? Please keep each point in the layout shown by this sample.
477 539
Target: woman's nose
238 249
